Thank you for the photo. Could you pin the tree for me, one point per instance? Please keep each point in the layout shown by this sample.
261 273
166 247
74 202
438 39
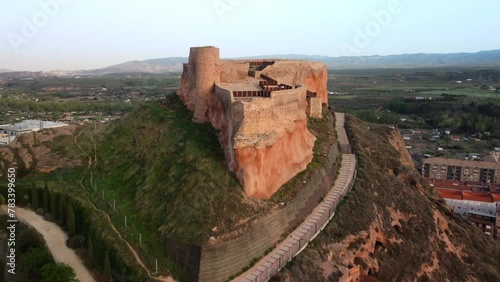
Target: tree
107 268
46 198
70 220
62 209
53 206
58 272
90 252
36 258
34 196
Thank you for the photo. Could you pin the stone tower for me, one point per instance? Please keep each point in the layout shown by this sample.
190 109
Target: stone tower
204 61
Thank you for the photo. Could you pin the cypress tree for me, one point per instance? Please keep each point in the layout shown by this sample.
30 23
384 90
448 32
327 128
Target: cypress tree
34 196
62 209
90 252
107 268
46 198
53 206
70 220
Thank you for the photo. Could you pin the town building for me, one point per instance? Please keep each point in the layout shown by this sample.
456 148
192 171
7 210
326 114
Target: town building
461 170
481 209
8 132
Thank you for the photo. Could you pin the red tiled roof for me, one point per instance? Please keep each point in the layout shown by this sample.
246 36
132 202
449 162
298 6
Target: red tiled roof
496 197
451 186
480 197
470 196
450 194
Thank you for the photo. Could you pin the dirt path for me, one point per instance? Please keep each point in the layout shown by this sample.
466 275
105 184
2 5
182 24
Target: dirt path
56 242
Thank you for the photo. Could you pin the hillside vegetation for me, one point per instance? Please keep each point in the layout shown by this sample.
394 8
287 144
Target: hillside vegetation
171 171
392 226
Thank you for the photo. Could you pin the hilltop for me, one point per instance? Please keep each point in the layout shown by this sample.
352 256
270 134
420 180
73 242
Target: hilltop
392 226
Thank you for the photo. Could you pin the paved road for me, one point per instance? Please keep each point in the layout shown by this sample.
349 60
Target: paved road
56 242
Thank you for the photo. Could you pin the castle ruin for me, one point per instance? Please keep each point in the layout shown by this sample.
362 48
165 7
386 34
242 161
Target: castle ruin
260 108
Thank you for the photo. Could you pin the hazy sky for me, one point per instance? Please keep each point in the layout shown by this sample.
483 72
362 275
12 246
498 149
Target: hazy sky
77 34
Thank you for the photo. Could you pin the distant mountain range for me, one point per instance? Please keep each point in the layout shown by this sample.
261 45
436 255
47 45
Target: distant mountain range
174 64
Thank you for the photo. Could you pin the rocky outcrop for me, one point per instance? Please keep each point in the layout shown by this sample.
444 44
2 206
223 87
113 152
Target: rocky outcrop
32 152
264 170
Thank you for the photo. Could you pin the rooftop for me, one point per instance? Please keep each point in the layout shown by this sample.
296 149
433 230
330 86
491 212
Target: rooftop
31 124
462 163
482 213
469 196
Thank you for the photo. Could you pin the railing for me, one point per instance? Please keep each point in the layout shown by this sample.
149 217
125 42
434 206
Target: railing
269 84
249 94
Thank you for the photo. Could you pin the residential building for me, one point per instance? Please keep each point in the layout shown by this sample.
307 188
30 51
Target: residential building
461 170
481 209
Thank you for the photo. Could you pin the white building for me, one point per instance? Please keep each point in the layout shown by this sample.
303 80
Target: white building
10 131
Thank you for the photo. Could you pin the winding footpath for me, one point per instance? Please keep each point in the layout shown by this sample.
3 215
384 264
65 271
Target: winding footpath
315 222
56 241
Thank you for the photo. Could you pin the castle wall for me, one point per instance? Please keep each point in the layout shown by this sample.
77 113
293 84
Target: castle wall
314 107
222 260
222 118
233 71
313 75
204 64
274 117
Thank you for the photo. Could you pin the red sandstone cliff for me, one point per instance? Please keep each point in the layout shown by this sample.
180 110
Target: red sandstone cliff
264 170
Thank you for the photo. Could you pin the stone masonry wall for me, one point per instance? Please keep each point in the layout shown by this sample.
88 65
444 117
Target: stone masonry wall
274 117
197 84
233 72
314 107
312 75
